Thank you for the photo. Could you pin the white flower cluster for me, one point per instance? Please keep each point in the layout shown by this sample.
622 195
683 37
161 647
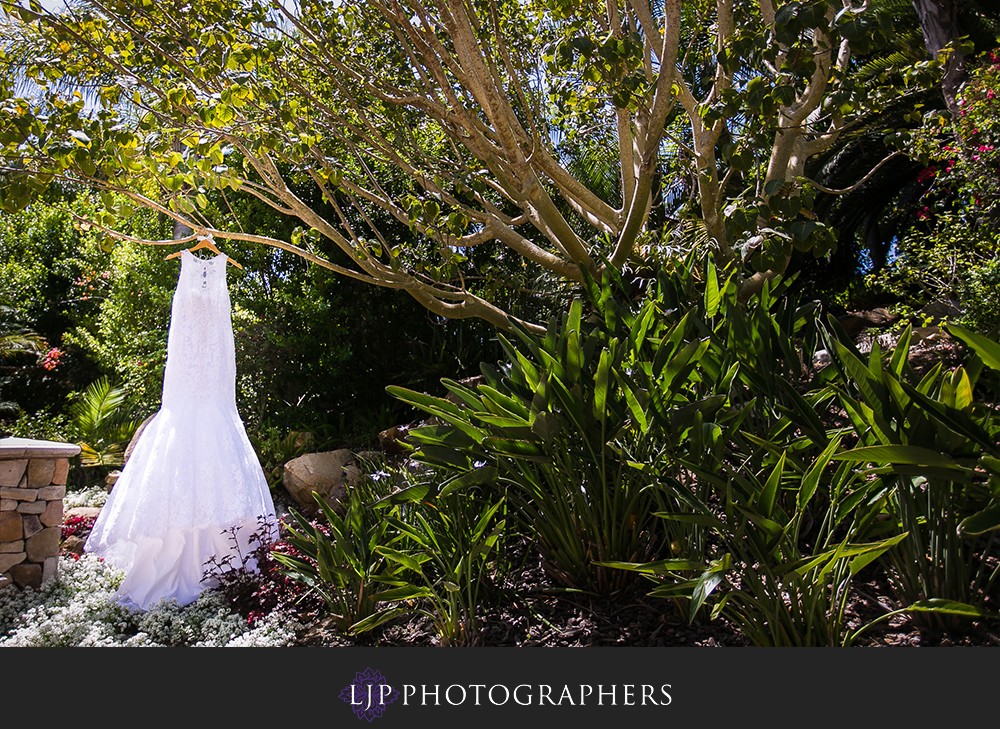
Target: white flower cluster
94 496
76 609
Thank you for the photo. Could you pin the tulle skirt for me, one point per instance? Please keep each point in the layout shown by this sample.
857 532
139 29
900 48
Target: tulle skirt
192 478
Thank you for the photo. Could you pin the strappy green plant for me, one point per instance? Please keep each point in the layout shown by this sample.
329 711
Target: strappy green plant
340 560
933 446
104 423
445 555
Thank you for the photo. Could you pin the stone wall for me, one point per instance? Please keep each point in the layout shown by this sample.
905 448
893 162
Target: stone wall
32 486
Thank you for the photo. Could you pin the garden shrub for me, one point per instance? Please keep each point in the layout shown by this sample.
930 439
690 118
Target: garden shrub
981 297
953 234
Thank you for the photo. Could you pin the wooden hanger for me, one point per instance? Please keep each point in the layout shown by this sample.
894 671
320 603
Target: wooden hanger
208 243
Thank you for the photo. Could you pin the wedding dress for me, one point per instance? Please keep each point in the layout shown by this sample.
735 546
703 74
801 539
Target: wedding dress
193 474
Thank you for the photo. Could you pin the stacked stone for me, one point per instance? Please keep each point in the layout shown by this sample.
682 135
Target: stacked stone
32 486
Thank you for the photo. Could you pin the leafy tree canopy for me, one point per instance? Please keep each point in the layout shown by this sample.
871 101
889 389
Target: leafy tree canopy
463 120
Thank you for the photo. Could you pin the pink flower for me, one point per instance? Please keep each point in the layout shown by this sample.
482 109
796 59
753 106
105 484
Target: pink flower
52 358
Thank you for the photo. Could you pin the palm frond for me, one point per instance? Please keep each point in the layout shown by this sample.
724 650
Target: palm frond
104 424
16 343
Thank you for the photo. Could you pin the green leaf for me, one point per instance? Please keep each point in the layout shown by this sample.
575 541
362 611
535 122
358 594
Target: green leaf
476 477
904 454
712 296
986 520
956 420
811 480
416 492
661 567
515 449
871 552
574 353
988 351
950 607
601 386
399 557
698 519
406 592
766 500
774 185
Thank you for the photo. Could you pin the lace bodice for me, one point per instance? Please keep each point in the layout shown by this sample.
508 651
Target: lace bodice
200 349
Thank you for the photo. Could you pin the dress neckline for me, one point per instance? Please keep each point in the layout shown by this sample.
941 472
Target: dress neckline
213 259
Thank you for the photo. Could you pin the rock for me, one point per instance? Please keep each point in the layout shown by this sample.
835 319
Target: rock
31 525
42 545
52 493
110 480
328 474
11 473
929 336
301 439
855 322
10 527
50 567
9 560
32 507
822 357
40 472
84 512
73 544
53 514
61 472
27 575
941 310
393 440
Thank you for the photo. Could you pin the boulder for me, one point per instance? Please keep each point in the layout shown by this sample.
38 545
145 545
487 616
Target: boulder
855 322
73 544
393 440
27 575
941 310
84 512
301 439
329 474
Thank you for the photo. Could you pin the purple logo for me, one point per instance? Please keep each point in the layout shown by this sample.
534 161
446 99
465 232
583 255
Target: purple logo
369 694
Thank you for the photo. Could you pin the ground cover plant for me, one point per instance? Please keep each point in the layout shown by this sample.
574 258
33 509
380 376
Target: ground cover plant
75 609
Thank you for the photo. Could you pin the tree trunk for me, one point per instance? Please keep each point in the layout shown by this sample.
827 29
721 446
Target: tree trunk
939 23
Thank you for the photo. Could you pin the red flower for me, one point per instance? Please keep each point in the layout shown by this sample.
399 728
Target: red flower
52 358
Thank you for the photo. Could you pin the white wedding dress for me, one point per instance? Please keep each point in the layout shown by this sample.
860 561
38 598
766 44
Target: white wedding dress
193 474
